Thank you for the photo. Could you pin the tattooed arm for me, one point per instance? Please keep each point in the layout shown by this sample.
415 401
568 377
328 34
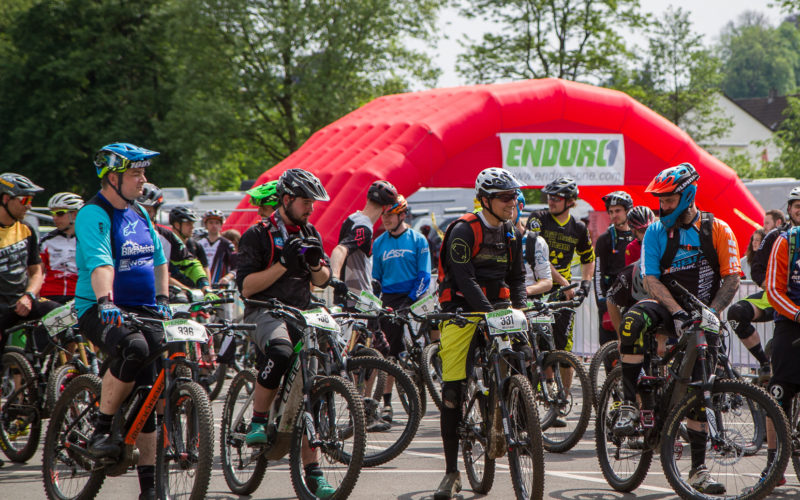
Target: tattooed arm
724 296
661 293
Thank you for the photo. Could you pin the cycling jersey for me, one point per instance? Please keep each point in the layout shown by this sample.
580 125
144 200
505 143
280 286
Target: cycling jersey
220 255
197 251
128 242
627 289
783 280
19 248
535 253
690 267
402 264
58 259
356 236
564 240
633 252
183 266
610 259
261 247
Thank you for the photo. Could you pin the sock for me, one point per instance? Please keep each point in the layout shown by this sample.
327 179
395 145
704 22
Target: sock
758 352
630 376
449 421
313 469
147 477
103 424
260 418
387 399
697 444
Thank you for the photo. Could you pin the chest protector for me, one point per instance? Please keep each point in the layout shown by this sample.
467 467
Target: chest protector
491 260
701 277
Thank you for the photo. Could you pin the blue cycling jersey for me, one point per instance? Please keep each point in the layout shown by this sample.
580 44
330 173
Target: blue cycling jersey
402 264
138 250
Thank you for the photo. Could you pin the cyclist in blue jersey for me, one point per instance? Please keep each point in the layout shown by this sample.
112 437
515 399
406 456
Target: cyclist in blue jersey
402 265
121 267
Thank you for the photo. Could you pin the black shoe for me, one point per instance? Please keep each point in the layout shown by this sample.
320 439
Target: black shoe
150 494
450 485
103 445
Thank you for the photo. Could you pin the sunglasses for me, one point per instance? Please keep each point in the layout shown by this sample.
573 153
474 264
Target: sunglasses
59 212
554 197
506 197
24 200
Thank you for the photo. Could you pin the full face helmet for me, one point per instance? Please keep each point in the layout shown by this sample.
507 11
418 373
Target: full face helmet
681 179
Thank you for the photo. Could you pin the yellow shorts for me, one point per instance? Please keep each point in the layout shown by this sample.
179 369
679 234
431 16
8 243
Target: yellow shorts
453 350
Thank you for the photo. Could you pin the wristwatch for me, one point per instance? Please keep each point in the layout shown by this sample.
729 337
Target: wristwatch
31 295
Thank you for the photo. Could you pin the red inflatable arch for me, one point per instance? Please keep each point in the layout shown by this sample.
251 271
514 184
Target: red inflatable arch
444 137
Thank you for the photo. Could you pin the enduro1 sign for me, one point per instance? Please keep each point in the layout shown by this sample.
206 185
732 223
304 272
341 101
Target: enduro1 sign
591 159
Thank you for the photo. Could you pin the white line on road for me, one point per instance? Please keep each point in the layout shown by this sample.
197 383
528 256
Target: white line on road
568 475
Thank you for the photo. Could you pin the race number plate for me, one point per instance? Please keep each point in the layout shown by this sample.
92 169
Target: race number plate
505 321
367 302
319 318
60 318
710 322
425 305
184 330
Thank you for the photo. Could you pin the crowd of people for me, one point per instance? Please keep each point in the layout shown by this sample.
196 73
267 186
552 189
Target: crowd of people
110 256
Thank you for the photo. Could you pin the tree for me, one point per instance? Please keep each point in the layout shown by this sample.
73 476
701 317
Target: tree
570 39
787 138
759 59
678 78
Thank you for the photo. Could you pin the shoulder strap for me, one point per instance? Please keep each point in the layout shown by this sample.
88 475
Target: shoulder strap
671 250
793 237
109 210
707 240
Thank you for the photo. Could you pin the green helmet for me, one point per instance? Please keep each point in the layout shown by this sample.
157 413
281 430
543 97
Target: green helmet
264 194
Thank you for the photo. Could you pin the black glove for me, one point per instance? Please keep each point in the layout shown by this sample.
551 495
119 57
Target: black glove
312 252
339 290
583 291
290 255
682 322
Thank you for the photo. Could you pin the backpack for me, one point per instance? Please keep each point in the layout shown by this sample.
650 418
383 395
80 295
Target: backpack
793 237
706 244
477 229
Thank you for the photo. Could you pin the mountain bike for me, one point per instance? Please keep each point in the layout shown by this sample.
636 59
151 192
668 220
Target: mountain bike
499 407
680 385
312 406
184 436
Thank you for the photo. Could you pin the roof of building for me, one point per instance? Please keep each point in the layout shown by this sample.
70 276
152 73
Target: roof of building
767 110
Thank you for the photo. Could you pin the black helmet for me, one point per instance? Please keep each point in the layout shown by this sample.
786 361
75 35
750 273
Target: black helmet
494 180
640 216
382 193
618 198
563 186
182 214
301 183
18 185
151 196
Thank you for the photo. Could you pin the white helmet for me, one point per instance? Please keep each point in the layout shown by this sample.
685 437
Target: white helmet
794 194
494 180
65 201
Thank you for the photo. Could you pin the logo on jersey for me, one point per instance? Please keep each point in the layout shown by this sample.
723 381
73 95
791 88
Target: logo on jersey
133 249
279 241
459 251
130 228
396 253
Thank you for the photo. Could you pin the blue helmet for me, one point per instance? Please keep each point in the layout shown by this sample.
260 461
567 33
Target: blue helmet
520 201
120 156
679 179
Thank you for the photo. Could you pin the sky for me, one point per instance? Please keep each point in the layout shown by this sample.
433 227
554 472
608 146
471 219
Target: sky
708 18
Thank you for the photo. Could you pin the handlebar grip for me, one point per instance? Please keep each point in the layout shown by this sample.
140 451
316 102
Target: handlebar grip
226 300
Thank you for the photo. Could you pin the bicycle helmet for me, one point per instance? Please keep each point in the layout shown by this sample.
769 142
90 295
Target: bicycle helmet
618 198
18 185
520 201
121 156
264 194
399 207
151 196
638 291
640 216
681 179
214 214
565 187
494 180
794 194
65 201
182 214
382 193
301 183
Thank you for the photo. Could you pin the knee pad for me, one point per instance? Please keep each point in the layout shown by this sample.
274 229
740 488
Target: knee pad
452 394
274 363
741 315
697 414
132 350
783 394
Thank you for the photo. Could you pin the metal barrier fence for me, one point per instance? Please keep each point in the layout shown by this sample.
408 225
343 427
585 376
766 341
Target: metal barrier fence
585 341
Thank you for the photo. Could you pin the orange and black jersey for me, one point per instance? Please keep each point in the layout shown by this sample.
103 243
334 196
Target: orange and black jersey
19 248
564 241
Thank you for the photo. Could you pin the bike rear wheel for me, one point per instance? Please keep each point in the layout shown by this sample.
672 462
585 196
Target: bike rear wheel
67 474
475 444
185 454
336 412
526 453
624 461
726 458
432 373
608 354
242 466
571 407
20 421
58 380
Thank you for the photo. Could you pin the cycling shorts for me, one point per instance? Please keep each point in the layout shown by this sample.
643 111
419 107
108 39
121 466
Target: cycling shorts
269 329
785 367
9 318
760 301
454 349
646 316
563 329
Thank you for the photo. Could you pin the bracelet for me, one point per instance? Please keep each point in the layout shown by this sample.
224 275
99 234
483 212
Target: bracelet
319 268
31 295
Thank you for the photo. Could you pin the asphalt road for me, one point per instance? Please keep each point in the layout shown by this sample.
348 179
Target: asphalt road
414 475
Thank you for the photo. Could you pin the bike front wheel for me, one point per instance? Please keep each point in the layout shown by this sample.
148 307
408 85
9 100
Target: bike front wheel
726 458
526 451
20 421
475 443
607 355
243 466
184 454
566 406
335 429
432 373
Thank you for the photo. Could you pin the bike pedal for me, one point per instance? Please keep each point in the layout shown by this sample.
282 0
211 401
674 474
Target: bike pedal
647 418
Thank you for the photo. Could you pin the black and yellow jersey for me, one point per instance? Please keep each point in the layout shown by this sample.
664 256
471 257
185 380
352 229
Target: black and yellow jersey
564 240
19 248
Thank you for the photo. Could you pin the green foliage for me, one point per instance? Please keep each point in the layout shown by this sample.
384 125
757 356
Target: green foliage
787 137
570 39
